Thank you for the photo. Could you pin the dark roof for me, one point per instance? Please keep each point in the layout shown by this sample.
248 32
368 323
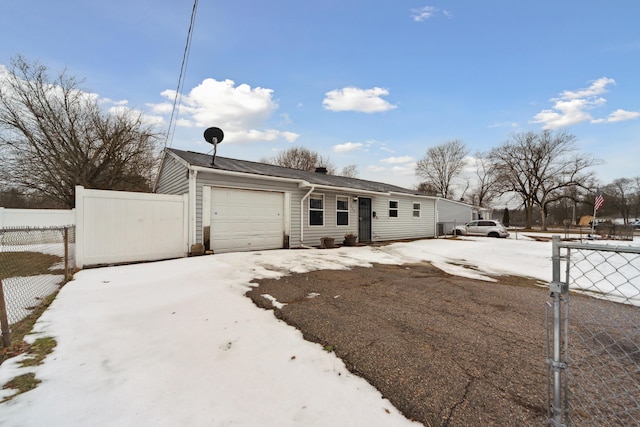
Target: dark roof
234 165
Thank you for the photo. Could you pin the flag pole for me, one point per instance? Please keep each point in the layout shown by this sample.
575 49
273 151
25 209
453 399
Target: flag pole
597 203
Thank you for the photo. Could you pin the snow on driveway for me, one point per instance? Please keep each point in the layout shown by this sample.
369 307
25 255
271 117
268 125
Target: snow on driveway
177 342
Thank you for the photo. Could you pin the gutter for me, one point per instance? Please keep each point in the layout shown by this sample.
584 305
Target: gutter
300 182
344 189
419 196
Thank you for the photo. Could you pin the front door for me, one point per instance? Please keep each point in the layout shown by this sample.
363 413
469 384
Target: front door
364 213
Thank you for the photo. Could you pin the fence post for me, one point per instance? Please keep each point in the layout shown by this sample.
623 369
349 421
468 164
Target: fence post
66 253
4 321
558 290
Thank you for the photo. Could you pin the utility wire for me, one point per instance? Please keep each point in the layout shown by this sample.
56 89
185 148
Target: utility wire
183 72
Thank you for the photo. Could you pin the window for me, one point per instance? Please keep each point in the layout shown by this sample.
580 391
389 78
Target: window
416 210
342 210
393 208
316 209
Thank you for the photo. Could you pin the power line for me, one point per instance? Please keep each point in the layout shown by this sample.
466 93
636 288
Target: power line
183 72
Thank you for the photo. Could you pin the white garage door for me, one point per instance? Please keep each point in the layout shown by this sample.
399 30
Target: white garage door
246 220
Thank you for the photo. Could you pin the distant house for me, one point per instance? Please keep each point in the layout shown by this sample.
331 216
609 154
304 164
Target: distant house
238 205
450 213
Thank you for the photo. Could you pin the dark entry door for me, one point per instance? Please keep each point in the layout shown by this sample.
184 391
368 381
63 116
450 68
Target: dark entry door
364 212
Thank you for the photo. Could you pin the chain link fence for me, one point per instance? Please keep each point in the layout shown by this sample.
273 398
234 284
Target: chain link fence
601 231
447 228
593 335
34 263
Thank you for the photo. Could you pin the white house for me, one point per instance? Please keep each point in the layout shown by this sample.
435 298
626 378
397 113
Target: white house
238 205
450 213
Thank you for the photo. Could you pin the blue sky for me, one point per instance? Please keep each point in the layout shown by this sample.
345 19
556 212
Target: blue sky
368 83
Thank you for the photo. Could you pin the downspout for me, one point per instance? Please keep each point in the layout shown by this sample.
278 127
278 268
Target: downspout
436 219
313 187
192 207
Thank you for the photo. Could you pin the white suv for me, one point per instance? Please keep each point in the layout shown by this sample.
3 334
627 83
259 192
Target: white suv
483 227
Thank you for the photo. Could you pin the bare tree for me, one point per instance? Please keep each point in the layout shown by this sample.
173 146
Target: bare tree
300 158
350 171
441 164
486 190
54 136
427 188
621 193
538 167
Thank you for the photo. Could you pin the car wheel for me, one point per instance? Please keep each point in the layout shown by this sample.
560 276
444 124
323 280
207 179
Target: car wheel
494 234
457 232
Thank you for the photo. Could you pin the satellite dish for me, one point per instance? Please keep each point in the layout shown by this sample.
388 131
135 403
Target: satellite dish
214 136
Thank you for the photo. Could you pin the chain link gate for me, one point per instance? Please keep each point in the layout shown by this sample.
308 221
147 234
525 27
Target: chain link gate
593 350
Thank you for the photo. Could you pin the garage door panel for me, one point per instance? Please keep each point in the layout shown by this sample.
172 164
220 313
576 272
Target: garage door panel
245 220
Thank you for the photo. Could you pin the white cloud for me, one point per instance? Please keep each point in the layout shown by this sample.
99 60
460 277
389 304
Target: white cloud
347 146
420 14
598 87
374 168
285 119
572 107
409 169
241 111
512 125
262 135
122 102
404 170
619 116
566 113
397 166
122 108
396 160
355 99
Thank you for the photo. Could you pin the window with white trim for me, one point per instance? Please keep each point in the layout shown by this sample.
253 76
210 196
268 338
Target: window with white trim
393 208
316 209
342 210
416 210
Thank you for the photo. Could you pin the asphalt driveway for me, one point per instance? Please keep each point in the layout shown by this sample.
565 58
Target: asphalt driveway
444 350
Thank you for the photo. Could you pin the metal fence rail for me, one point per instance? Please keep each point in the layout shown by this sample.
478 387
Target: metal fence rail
34 263
593 331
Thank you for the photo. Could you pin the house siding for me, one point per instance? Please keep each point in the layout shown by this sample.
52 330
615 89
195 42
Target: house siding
449 211
173 177
313 233
405 225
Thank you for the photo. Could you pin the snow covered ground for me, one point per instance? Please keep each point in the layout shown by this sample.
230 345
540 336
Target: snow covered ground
177 343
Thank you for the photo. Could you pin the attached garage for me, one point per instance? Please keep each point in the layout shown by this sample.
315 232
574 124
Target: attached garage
239 205
244 220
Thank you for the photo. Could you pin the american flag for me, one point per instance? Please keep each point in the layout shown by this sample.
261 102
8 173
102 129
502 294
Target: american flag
599 201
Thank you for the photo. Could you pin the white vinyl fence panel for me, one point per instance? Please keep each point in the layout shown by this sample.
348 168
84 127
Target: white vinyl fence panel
118 227
36 218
